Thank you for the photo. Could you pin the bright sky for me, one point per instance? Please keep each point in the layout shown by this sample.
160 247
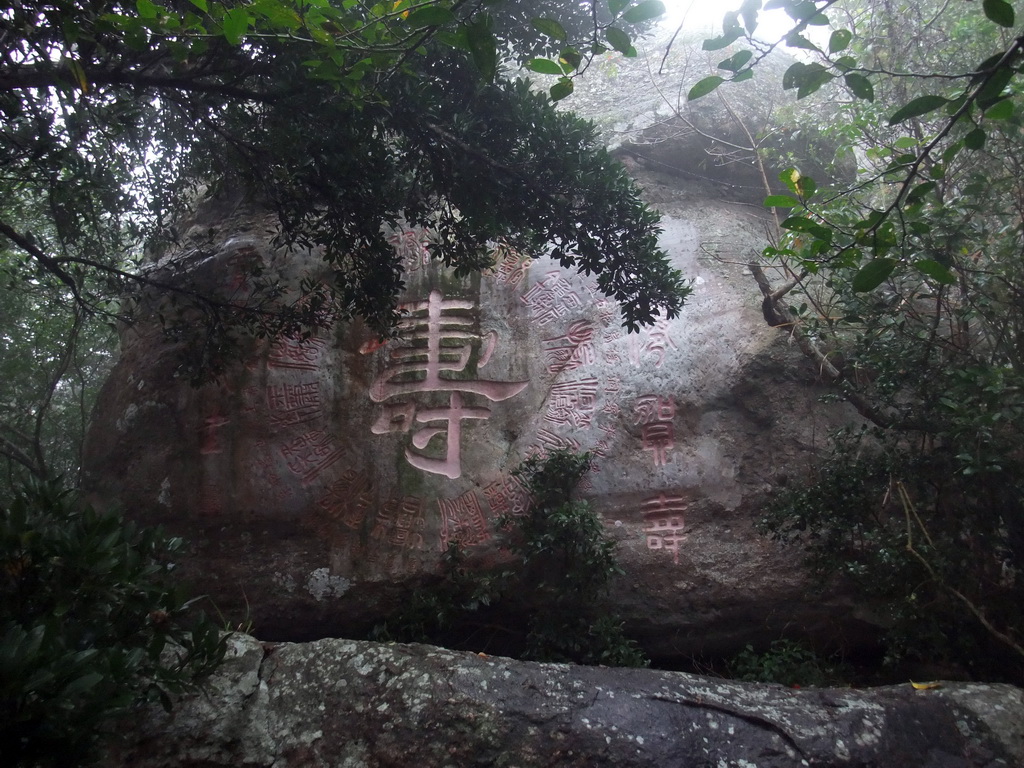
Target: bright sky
706 16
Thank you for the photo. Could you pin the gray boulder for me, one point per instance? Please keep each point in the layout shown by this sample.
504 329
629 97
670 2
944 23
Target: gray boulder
319 483
345 704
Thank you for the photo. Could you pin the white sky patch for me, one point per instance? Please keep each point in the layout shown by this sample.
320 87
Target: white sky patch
705 18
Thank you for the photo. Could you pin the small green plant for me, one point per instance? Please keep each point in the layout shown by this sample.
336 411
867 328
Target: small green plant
931 545
787 662
88 627
567 566
550 603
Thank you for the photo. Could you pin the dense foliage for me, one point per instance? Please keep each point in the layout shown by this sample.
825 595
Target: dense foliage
88 627
345 119
550 602
905 288
788 662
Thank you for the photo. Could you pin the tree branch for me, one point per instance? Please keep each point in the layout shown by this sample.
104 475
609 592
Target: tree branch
48 263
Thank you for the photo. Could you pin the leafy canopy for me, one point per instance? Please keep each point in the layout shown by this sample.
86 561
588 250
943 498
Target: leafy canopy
345 118
904 287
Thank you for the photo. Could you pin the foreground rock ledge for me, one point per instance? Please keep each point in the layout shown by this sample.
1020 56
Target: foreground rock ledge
352 704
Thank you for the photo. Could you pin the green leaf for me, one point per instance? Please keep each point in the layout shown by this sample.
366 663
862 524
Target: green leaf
839 40
992 90
793 76
812 77
935 271
82 684
735 62
918 192
483 47
780 201
791 178
561 89
860 86
1003 110
618 40
201 5
648 9
147 8
845 63
806 187
951 151
922 105
551 28
544 67
704 87
236 24
796 40
717 43
999 11
905 142
570 59
822 235
811 227
431 16
975 139
873 274
615 6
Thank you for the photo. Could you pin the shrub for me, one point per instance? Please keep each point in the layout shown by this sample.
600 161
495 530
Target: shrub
550 604
88 627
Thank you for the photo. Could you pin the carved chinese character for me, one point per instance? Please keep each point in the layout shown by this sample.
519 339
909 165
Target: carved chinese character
211 500
606 311
348 498
655 416
653 341
399 522
549 441
572 402
411 247
452 415
551 298
296 353
571 350
608 352
210 438
241 266
310 454
663 516
462 521
507 496
511 266
436 343
293 403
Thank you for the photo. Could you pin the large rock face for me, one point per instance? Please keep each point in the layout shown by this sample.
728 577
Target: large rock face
320 482
338 703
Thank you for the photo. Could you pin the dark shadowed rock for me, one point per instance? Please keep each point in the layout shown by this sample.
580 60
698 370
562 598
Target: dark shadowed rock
339 703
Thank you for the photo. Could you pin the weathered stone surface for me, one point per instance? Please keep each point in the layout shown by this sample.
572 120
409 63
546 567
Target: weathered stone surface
319 483
337 703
